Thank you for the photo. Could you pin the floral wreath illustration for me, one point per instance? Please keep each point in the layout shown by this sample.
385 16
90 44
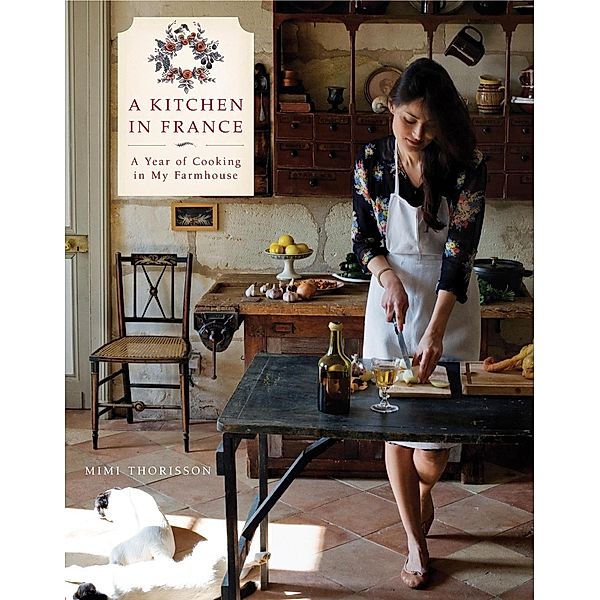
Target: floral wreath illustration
202 49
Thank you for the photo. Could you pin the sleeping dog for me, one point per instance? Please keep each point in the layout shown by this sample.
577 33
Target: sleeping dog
141 566
147 533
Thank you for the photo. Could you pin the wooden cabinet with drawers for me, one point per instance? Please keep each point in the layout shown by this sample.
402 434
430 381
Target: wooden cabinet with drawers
314 152
518 161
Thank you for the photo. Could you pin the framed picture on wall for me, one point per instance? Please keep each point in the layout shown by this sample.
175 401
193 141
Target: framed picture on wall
192 216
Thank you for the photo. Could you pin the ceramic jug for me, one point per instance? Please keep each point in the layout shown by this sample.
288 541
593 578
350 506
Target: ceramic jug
490 95
465 47
526 79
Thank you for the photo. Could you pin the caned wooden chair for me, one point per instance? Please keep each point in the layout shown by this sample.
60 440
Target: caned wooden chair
153 300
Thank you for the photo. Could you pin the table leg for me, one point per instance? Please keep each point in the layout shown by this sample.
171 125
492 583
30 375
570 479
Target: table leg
472 467
263 490
237 549
230 589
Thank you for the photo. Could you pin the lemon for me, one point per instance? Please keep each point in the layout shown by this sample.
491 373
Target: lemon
285 240
302 248
292 249
276 248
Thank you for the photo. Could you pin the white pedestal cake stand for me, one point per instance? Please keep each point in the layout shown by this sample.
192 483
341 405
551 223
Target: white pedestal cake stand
288 272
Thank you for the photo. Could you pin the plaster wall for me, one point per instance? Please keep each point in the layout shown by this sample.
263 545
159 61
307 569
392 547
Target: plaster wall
248 225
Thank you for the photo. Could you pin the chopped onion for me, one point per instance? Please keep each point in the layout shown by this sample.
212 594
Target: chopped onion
408 375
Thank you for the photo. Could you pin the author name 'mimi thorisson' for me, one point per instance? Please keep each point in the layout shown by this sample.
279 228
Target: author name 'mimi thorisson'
133 470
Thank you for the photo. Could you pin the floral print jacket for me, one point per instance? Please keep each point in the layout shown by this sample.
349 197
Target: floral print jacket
374 174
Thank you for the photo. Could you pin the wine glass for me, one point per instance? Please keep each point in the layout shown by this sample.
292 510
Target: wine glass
386 371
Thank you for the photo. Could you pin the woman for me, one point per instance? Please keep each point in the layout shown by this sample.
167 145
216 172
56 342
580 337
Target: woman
418 206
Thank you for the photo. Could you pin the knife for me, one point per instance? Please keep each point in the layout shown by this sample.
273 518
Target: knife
403 348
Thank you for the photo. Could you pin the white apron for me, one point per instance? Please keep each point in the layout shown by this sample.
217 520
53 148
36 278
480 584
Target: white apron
415 254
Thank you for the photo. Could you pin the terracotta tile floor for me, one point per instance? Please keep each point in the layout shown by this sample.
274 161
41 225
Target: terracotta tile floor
329 538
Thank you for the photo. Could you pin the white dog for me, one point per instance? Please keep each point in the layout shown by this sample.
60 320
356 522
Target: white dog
142 567
147 533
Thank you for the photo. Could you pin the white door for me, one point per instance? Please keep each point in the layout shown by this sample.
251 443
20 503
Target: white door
86 209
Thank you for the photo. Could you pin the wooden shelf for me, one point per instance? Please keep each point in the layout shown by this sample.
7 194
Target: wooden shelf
466 15
314 169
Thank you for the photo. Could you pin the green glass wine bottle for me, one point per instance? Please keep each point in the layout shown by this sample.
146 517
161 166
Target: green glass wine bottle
335 375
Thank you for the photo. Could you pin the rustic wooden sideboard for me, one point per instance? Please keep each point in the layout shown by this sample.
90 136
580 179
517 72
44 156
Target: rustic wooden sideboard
278 327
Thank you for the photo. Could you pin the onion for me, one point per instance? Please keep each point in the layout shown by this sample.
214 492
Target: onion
306 290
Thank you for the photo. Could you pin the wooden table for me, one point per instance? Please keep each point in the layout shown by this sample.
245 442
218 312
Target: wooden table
278 395
279 327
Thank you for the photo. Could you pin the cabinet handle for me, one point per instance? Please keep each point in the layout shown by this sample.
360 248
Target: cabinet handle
371 129
525 130
524 157
313 182
331 154
293 153
333 127
294 125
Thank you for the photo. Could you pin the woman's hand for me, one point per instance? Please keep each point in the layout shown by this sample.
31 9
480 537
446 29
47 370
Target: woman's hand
394 299
431 346
428 353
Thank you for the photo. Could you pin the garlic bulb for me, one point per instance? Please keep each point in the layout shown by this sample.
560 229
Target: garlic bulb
291 297
252 291
275 293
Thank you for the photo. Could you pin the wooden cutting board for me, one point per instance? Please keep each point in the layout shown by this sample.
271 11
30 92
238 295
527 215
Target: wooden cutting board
400 388
476 381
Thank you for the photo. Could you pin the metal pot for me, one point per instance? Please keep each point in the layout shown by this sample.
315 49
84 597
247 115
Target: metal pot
501 273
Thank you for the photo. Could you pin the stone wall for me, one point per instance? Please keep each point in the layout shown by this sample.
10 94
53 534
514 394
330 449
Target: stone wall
248 225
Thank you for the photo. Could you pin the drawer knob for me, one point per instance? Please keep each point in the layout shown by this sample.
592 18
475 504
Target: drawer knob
525 130
333 127
293 153
524 157
486 130
371 129
294 125
313 182
331 154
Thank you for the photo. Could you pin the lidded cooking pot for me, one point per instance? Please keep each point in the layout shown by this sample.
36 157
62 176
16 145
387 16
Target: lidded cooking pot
501 273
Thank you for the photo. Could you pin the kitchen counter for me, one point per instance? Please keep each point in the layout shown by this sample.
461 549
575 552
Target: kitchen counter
267 321
227 293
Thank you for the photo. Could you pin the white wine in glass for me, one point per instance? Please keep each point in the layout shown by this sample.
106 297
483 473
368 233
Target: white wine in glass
386 372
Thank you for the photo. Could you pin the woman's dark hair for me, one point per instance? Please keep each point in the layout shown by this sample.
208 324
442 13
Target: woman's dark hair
454 142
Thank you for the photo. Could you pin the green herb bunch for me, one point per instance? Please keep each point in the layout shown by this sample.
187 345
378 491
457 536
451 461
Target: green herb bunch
488 293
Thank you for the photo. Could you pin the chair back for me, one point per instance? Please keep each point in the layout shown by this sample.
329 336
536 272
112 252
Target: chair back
153 290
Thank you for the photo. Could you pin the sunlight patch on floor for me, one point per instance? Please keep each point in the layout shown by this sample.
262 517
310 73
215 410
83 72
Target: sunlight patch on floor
293 547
